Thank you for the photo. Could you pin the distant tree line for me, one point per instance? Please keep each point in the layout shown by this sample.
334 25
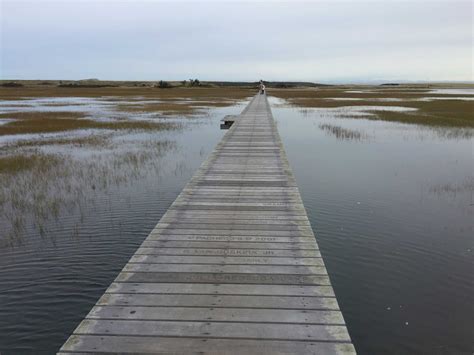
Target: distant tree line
164 84
12 84
191 82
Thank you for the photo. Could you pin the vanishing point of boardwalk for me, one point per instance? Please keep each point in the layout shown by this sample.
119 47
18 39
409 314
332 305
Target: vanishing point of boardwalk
232 267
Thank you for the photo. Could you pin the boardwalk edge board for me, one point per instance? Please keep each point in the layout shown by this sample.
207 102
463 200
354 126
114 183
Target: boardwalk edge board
232 267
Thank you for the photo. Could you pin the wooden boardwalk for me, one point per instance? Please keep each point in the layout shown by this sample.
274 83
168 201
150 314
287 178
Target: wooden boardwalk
232 267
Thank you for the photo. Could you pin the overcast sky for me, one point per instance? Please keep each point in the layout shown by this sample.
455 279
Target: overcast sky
323 41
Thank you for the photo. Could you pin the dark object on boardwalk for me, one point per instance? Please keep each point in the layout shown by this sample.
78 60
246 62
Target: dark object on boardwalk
228 121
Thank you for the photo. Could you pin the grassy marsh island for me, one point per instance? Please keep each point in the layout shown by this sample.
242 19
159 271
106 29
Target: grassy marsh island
433 105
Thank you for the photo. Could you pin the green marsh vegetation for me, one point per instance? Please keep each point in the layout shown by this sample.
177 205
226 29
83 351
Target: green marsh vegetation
48 122
126 90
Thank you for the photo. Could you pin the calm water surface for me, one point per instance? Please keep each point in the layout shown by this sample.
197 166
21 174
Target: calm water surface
392 208
391 205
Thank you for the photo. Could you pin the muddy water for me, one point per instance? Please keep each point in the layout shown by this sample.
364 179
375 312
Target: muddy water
392 207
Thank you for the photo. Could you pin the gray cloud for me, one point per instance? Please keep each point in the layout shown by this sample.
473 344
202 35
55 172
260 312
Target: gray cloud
318 41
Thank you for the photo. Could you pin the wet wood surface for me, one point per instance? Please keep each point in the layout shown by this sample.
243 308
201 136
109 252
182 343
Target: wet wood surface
233 266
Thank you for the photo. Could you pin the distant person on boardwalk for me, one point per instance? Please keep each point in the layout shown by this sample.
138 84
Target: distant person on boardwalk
262 87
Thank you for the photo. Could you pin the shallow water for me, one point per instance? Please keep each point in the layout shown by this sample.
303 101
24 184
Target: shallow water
453 91
462 98
391 205
398 99
103 109
352 111
393 215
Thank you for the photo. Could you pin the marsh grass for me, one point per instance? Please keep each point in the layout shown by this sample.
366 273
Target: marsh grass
342 133
50 122
93 140
453 189
442 113
37 188
454 132
12 164
446 113
173 107
193 93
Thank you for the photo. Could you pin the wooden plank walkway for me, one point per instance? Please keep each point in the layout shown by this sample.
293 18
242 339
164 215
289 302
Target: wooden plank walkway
232 267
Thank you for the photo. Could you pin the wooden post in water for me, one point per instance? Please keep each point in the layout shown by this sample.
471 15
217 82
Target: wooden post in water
233 266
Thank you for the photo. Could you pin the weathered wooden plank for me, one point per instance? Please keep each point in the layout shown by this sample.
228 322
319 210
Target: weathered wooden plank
219 301
138 345
223 245
237 208
229 215
221 289
232 232
302 332
233 220
221 197
228 260
236 252
216 314
240 269
229 198
236 278
233 226
229 238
